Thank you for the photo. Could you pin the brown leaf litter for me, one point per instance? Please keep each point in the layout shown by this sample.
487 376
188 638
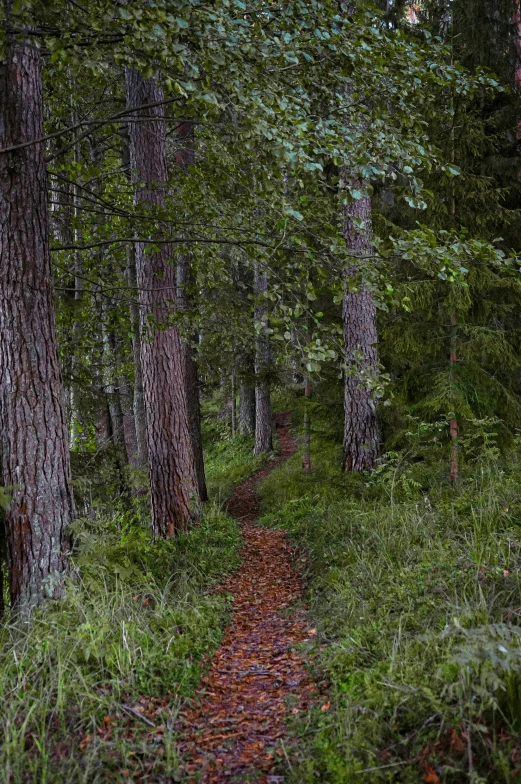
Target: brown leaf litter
235 726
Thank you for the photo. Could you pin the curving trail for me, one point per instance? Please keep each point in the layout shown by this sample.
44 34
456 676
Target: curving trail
256 678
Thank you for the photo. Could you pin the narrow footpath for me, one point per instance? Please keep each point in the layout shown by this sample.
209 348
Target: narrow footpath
234 729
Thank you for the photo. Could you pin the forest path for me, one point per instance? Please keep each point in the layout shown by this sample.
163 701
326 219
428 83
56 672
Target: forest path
234 726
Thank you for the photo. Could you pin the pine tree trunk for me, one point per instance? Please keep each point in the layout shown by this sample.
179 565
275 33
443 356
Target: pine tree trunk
454 462
3 561
234 404
361 429
191 376
75 391
185 156
247 395
306 451
263 426
33 430
172 472
246 409
129 422
112 390
138 403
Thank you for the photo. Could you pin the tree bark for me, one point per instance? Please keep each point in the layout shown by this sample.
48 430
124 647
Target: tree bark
361 429
306 450
138 403
246 409
263 427
129 421
185 156
33 429
173 480
191 377
454 462
234 403
247 396
75 391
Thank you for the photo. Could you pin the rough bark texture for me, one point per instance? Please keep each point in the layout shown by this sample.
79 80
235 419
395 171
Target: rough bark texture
117 426
247 395
138 403
33 431
263 428
306 441
454 463
361 429
129 422
3 559
234 403
191 377
246 409
173 479
185 156
75 392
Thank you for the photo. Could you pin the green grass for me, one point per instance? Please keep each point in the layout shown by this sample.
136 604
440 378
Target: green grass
415 590
131 635
132 632
228 460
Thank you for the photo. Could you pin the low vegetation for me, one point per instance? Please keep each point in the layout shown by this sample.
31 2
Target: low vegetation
91 687
414 588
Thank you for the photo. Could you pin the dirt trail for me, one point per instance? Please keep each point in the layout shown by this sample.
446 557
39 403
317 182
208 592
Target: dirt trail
233 729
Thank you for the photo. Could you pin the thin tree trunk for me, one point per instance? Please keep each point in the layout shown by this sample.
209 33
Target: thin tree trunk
186 157
112 390
234 404
3 560
246 409
75 392
263 426
139 396
454 463
191 377
129 422
247 395
306 451
33 430
361 429
172 471
454 468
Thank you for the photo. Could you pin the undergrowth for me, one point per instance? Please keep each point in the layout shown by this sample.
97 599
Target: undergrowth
414 587
91 685
228 460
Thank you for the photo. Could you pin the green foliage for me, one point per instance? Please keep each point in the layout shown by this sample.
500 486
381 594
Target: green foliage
415 589
228 459
131 631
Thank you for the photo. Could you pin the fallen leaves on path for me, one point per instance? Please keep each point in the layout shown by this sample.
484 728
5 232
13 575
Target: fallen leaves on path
235 725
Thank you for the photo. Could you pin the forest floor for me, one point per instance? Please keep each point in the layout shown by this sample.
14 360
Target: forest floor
235 726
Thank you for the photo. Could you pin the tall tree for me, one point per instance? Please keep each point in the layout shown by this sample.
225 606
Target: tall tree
33 431
191 379
361 429
173 478
186 157
138 402
247 396
263 427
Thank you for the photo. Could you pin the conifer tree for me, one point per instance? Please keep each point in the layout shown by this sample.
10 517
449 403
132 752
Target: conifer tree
33 431
172 471
263 426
